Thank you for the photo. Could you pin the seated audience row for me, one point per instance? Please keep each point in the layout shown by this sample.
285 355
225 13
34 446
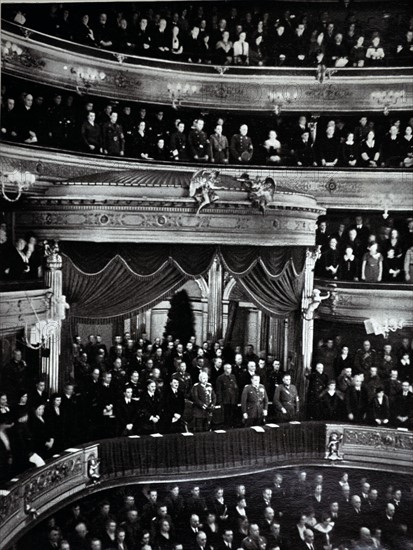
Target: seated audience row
212 35
140 387
115 130
355 252
291 511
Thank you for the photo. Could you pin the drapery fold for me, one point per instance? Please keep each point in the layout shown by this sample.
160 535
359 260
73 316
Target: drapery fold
103 281
209 451
115 292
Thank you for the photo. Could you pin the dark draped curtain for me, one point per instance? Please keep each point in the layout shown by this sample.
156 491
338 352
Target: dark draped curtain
232 315
107 281
208 451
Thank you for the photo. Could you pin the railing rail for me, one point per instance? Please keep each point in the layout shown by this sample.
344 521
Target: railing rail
89 71
130 59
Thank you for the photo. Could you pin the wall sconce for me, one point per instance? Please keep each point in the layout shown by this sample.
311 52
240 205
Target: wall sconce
178 92
86 76
280 98
18 181
383 326
10 50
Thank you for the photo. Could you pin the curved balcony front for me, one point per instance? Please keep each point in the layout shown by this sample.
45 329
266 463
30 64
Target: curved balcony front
338 189
26 501
357 302
48 60
154 206
23 308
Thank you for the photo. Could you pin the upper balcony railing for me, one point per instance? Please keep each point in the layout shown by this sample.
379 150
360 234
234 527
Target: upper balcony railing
388 306
41 58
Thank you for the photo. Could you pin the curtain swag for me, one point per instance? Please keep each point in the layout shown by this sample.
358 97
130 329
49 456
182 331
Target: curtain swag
106 281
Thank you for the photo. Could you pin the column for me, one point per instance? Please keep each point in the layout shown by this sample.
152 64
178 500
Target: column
215 283
308 320
253 328
285 347
51 332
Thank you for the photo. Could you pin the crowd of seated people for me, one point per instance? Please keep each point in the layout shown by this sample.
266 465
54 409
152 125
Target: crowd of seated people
286 511
114 129
262 36
356 252
137 387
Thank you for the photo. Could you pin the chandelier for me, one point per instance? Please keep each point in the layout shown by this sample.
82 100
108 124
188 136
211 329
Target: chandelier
383 326
178 92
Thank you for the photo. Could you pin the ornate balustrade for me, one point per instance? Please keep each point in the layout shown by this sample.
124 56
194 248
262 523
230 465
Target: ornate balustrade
23 308
41 58
27 500
388 190
31 496
352 302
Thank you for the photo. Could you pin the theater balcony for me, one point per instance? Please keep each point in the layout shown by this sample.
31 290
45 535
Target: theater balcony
29 499
23 304
34 56
381 307
59 172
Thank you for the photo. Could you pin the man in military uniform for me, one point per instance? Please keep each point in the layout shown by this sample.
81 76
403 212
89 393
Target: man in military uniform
178 143
241 146
227 395
218 146
364 359
203 397
198 141
113 138
184 379
254 402
16 375
286 400
254 541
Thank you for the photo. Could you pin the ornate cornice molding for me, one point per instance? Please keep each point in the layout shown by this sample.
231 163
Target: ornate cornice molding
339 189
170 221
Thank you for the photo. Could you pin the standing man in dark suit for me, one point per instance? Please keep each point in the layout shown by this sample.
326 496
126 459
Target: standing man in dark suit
227 395
172 408
356 400
308 542
126 413
150 409
403 407
355 517
254 402
227 542
388 524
